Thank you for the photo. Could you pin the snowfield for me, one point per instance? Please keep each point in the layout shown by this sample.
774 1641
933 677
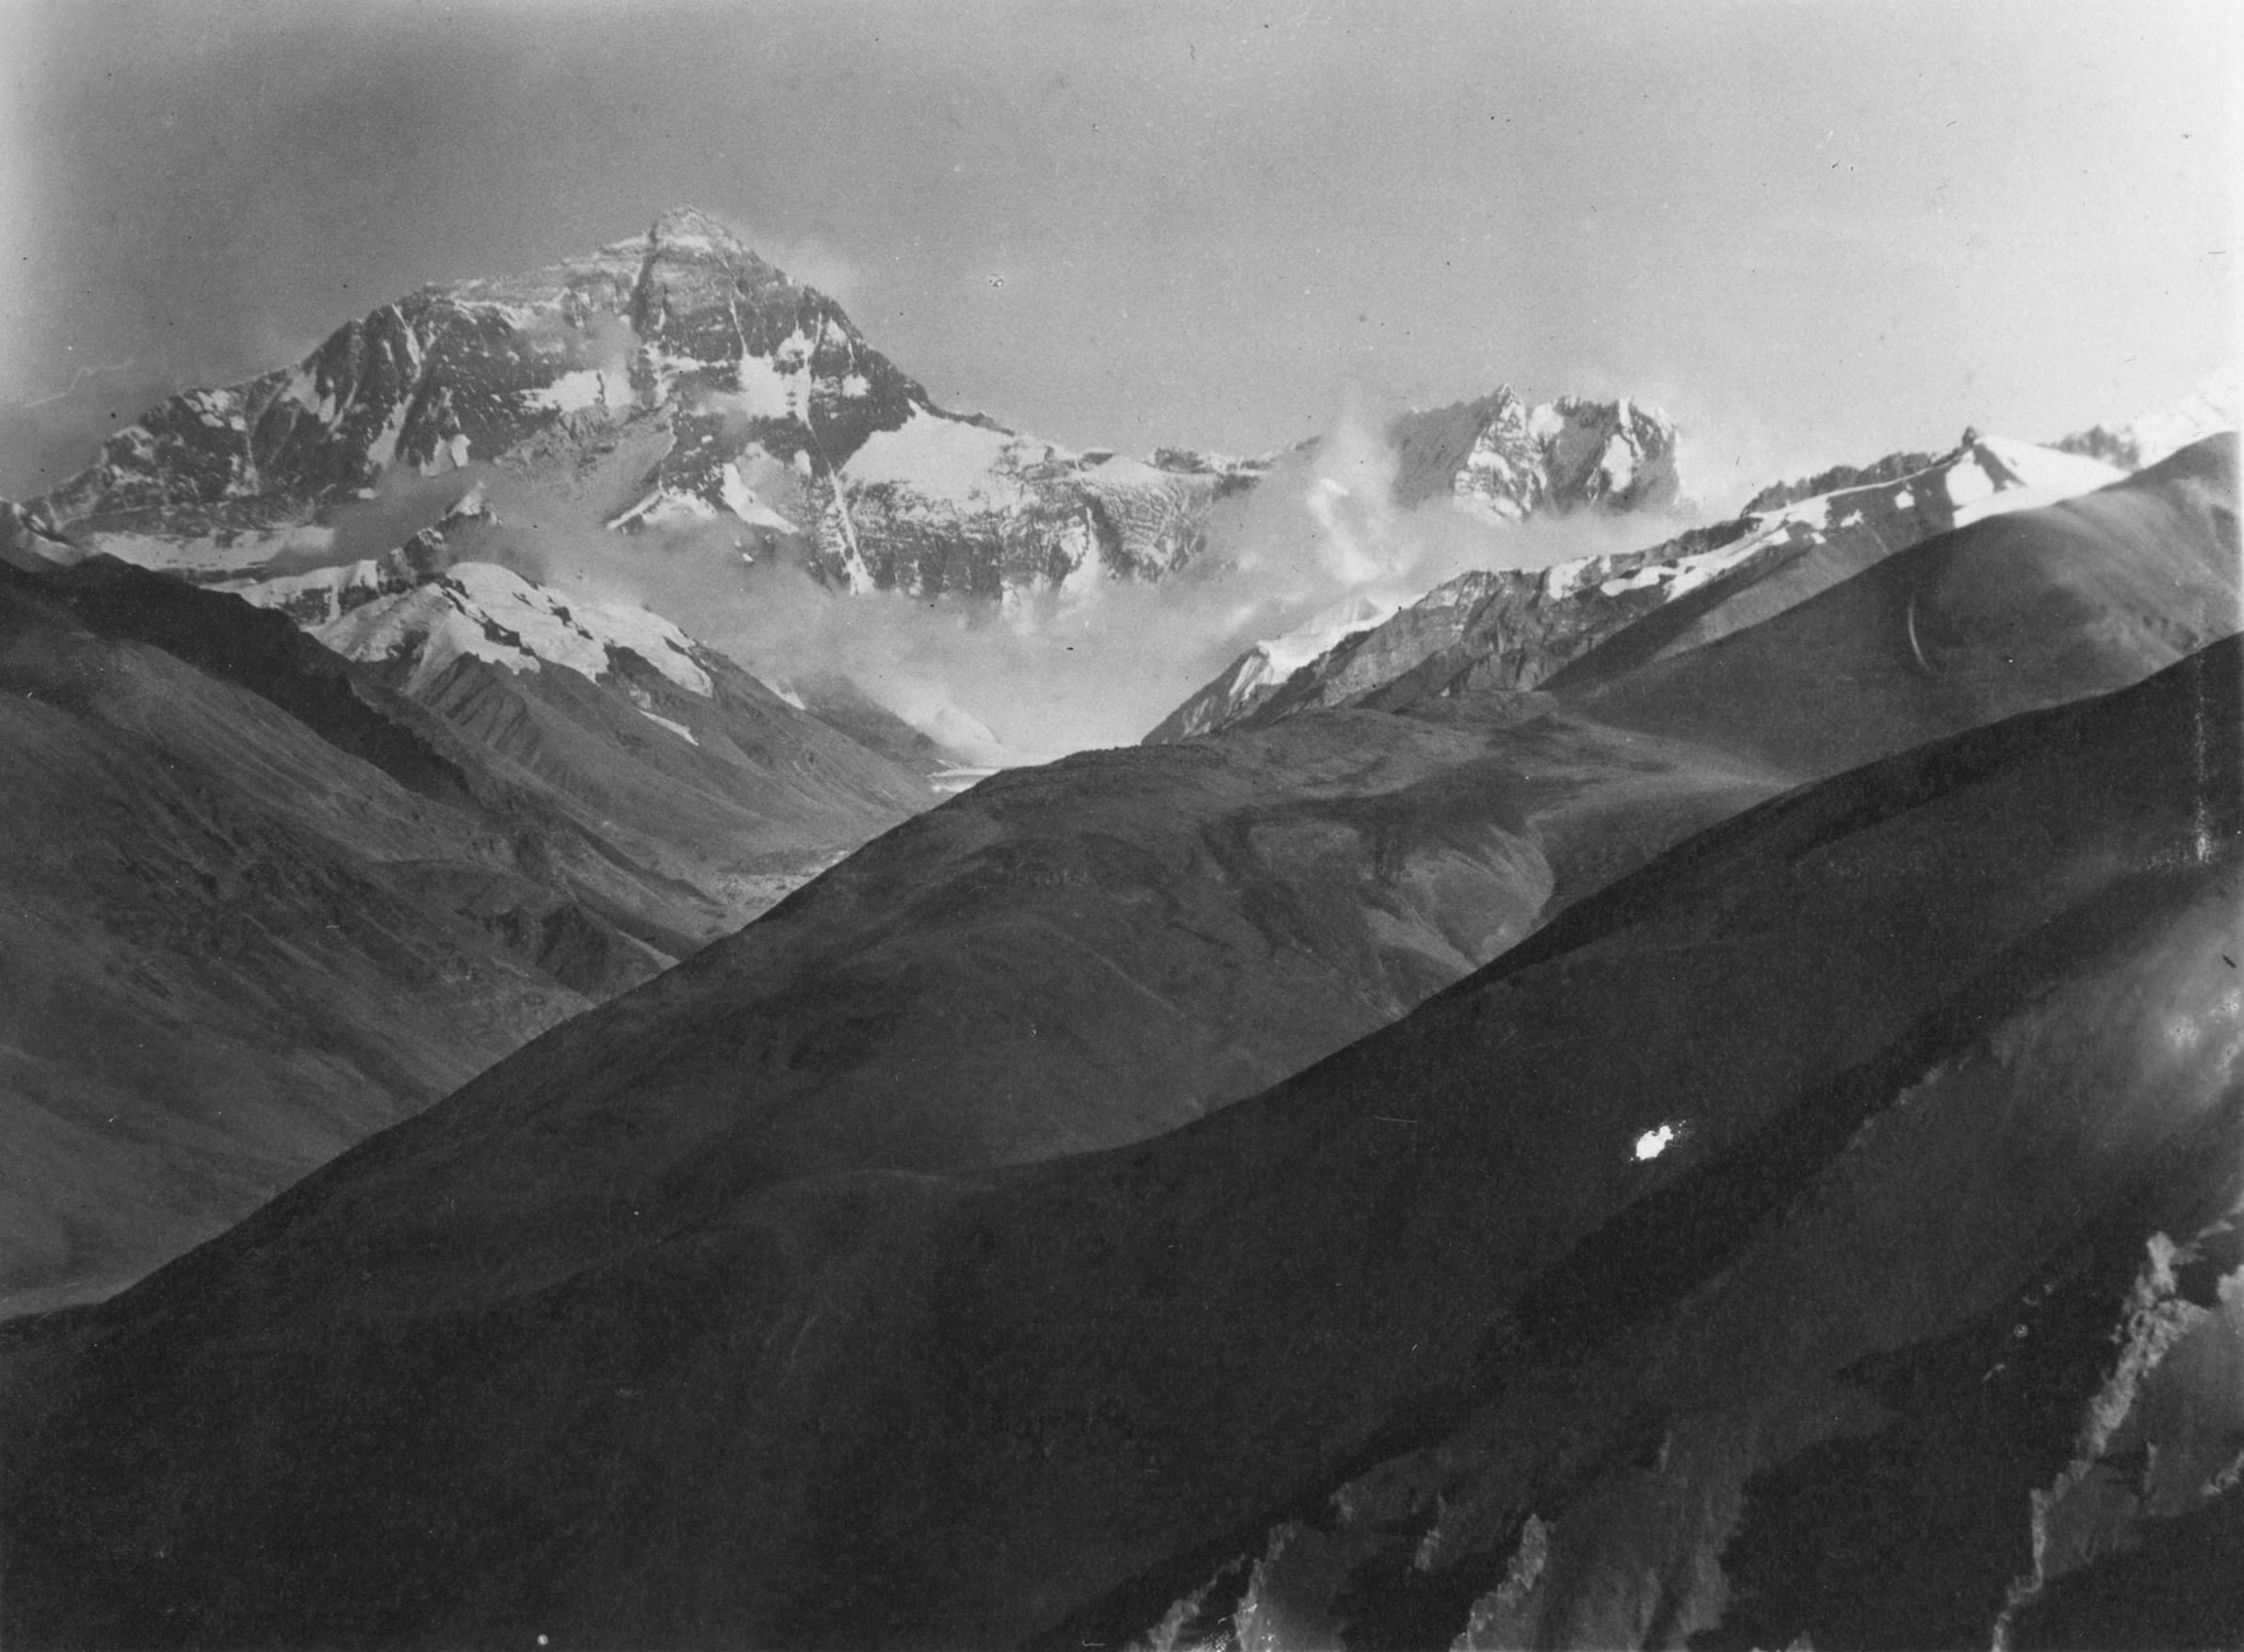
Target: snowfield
944 459
2036 477
480 610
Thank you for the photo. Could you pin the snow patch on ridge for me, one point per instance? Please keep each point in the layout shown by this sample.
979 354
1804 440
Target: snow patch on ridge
1321 633
1269 663
941 458
322 596
740 499
432 624
574 392
482 611
301 390
2029 476
762 389
678 729
236 554
382 451
2211 407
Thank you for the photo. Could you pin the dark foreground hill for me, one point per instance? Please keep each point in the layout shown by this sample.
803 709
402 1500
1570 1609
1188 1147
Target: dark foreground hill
1827 1232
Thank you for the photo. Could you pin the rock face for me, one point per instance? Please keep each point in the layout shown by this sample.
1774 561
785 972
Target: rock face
1515 629
1846 478
1505 459
679 380
1858 1178
680 393
672 379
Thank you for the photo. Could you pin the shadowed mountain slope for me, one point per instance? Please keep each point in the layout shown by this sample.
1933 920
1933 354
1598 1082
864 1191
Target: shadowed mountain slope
262 904
225 958
1943 1055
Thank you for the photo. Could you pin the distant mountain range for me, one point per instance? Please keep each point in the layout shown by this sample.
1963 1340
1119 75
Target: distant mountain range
678 380
1693 1095
1516 629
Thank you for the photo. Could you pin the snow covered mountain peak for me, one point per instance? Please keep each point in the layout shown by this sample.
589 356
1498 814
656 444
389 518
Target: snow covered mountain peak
682 245
675 378
688 229
1504 459
678 380
1264 668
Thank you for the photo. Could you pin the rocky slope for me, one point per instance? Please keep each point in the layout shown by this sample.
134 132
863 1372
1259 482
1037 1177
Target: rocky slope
1513 629
1899 1223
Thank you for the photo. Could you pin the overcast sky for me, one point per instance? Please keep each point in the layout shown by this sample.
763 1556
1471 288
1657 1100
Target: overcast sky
1822 231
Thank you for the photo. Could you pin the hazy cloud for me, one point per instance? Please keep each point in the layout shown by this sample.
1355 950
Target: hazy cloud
1051 672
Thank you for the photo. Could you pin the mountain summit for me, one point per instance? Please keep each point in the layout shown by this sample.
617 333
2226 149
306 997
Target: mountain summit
670 379
679 380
